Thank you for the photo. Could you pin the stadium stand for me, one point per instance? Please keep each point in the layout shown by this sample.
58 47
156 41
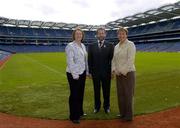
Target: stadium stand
4 54
153 30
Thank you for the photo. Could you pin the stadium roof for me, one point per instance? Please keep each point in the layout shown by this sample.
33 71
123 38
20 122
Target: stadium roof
162 13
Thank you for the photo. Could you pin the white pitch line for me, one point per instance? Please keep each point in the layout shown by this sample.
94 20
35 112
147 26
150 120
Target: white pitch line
43 65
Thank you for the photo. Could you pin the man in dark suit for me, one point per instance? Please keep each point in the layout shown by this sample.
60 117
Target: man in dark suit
100 55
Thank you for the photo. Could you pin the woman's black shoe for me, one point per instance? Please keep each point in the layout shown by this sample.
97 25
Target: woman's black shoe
76 121
84 114
120 116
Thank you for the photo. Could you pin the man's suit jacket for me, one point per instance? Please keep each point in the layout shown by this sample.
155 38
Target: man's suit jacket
99 59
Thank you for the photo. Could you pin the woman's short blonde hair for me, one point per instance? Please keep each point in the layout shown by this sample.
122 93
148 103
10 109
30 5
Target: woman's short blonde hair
74 31
122 29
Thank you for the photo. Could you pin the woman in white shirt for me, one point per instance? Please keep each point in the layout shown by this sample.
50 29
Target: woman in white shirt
124 69
76 74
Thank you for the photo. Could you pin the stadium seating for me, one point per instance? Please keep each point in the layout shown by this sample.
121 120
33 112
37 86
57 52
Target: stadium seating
159 36
159 47
4 54
32 48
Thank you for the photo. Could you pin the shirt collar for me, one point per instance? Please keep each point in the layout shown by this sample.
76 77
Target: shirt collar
124 42
101 41
77 44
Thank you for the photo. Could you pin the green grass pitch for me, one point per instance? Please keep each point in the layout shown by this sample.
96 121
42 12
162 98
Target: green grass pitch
35 85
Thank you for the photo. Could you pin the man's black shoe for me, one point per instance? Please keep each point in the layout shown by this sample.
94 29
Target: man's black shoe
107 111
96 110
83 115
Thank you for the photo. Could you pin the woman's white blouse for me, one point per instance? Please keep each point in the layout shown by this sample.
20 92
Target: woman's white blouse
124 57
76 59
